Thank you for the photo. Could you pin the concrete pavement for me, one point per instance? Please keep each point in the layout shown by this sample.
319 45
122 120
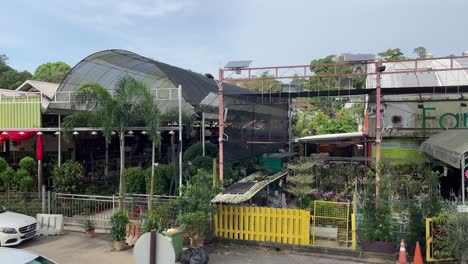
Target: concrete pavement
76 248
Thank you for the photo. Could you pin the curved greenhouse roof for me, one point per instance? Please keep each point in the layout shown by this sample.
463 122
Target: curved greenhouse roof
108 66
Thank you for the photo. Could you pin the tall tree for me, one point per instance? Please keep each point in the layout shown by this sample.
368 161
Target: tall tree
51 72
129 105
9 77
266 84
421 52
392 55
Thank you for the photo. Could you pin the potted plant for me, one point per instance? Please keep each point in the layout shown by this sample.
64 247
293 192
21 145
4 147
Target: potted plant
119 223
196 206
89 228
196 224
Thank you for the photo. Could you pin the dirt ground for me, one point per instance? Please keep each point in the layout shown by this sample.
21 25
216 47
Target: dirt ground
76 248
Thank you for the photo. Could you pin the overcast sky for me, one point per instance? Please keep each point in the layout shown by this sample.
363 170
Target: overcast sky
202 35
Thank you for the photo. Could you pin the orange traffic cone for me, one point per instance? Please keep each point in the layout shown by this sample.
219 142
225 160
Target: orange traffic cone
418 259
402 258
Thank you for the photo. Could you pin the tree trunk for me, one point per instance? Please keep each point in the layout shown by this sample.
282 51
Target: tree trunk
152 178
122 168
106 167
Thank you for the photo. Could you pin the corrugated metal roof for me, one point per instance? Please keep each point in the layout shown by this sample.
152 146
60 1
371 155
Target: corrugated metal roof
260 181
423 79
46 88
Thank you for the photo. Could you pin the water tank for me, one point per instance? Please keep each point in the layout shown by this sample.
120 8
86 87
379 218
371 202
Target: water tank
465 53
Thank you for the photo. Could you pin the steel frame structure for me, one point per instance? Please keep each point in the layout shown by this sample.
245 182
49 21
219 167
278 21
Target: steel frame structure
411 66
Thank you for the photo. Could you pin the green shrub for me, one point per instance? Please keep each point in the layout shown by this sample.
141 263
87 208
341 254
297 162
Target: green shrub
196 150
135 180
26 184
68 178
158 219
119 223
160 179
194 223
3 165
457 235
203 162
28 164
8 178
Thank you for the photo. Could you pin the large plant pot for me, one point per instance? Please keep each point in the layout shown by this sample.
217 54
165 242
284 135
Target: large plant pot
185 239
119 245
198 243
379 247
90 234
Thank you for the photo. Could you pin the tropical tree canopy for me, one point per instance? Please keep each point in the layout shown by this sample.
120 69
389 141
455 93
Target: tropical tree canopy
51 72
9 77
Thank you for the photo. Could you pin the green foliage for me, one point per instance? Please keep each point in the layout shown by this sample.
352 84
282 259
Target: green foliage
29 164
89 226
3 165
203 162
266 84
343 122
9 77
331 83
421 52
8 178
195 204
377 217
68 178
160 179
300 182
158 219
301 124
196 150
26 184
417 227
195 223
52 72
119 223
392 55
457 235
135 180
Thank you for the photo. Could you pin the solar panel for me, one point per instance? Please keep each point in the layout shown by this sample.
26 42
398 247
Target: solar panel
358 57
238 64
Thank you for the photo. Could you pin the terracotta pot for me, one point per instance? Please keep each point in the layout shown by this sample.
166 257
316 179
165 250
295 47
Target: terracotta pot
119 245
379 247
91 233
198 243
185 239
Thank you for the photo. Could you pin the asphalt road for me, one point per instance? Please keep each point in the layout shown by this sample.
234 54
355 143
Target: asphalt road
76 248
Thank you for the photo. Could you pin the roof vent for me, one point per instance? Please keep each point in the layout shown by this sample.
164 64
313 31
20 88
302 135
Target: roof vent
465 53
429 56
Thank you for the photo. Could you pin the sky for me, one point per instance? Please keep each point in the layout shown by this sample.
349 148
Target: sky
202 35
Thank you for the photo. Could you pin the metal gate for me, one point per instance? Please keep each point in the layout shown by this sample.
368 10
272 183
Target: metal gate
330 225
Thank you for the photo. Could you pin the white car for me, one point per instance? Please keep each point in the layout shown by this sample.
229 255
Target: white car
18 256
15 228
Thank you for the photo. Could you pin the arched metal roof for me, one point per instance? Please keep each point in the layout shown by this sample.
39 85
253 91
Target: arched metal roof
108 66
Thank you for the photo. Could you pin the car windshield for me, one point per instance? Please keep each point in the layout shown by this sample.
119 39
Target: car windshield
40 260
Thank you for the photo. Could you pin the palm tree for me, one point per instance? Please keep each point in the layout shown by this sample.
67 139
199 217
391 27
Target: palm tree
301 124
130 104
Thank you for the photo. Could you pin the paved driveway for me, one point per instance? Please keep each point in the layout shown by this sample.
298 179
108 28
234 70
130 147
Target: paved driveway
76 248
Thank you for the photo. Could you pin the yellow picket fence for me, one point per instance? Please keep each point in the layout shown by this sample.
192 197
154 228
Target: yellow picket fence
278 225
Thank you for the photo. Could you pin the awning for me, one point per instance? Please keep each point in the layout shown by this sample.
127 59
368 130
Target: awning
251 185
447 146
331 137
